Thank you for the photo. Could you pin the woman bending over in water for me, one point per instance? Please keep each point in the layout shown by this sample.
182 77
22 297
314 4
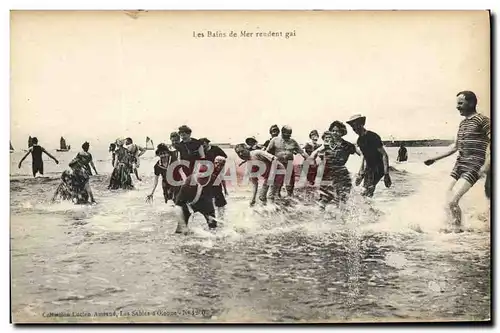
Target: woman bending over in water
75 184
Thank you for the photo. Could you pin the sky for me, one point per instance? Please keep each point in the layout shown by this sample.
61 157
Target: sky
96 76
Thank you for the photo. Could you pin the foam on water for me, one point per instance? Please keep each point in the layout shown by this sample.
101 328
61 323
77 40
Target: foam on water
384 257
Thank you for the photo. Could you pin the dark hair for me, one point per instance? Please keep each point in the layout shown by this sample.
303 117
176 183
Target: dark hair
325 134
74 163
470 97
273 129
250 141
185 129
34 140
85 144
340 125
313 132
129 139
174 135
286 129
161 148
66 174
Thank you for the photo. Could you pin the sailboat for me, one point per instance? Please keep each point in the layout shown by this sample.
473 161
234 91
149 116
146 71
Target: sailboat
63 146
152 144
11 148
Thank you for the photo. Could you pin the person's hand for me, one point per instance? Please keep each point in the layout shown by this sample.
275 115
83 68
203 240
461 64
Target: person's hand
359 178
19 166
57 162
149 198
429 162
387 180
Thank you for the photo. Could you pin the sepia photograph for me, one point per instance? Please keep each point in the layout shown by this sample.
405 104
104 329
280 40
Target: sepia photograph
250 166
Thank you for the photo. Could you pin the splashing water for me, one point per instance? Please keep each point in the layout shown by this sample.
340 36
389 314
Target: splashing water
381 259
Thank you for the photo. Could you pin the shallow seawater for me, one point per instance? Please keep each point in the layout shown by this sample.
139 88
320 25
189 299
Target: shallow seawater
386 260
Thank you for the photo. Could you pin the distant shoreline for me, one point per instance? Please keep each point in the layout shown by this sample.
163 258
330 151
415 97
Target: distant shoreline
418 143
387 143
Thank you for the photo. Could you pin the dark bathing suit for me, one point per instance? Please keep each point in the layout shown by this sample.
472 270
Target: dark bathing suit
204 205
37 162
369 143
402 154
188 151
159 169
217 190
309 148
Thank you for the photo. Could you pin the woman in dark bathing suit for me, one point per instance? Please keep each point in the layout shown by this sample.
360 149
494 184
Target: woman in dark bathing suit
160 169
86 158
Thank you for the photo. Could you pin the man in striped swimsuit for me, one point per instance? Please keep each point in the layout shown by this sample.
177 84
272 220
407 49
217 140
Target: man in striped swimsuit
472 143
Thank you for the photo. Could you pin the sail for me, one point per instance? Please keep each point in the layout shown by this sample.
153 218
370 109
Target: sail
30 143
63 143
11 148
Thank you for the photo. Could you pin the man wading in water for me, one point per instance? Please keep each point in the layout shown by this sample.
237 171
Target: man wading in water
375 163
284 148
36 152
473 139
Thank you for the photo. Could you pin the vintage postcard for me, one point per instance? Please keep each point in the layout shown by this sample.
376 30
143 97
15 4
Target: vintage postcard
250 166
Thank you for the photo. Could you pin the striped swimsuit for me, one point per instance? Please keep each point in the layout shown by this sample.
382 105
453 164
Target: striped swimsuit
472 142
336 183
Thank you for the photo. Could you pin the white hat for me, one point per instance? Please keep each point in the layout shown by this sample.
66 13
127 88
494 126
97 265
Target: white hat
355 118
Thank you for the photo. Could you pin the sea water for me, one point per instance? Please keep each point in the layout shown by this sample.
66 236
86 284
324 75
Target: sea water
385 261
